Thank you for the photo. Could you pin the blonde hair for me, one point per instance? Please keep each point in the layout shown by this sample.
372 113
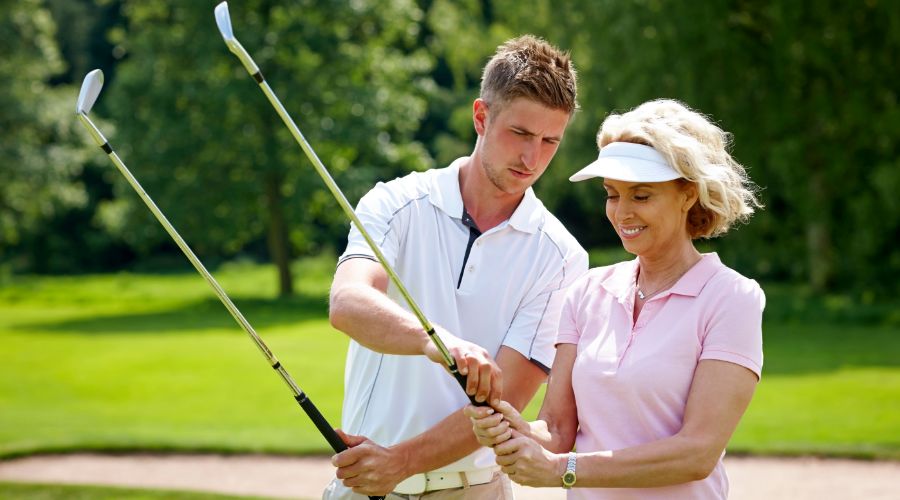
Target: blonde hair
698 150
530 67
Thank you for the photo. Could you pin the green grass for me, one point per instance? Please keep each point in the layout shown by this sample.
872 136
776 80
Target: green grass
153 362
27 491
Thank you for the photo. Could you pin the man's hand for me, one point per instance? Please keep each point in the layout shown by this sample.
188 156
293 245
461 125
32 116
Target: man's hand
528 463
484 379
367 468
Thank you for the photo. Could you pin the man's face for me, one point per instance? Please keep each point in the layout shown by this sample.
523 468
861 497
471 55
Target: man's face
518 141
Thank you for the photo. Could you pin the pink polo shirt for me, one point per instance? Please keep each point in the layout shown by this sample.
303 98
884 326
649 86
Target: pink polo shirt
631 379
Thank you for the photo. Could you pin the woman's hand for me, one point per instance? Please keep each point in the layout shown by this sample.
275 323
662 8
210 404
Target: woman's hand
528 463
494 424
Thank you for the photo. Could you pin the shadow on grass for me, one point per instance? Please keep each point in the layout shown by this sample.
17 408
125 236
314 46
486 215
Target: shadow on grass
207 314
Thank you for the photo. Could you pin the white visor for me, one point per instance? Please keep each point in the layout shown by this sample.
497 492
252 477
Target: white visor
629 162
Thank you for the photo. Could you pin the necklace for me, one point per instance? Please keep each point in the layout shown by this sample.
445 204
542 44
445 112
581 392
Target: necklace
643 296
669 283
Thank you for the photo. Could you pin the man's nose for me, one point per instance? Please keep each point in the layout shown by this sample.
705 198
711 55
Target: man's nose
531 153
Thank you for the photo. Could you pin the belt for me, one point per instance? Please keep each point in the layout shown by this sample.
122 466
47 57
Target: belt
433 481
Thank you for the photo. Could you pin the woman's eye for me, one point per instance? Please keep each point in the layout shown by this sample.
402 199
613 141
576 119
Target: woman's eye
612 196
642 197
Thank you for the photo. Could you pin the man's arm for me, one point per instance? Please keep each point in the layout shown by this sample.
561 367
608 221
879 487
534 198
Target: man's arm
360 307
371 469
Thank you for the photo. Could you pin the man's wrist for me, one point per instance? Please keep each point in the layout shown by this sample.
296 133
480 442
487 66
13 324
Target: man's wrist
402 452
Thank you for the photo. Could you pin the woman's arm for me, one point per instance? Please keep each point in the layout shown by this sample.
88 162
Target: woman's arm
720 393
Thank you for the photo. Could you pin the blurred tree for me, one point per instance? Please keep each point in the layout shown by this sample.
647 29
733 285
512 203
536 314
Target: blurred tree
208 147
42 154
807 88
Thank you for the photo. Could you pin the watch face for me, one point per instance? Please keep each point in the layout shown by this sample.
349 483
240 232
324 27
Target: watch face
568 479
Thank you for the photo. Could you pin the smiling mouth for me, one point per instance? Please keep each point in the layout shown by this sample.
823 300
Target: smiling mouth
632 231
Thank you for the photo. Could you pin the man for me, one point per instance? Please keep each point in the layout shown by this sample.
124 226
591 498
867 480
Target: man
484 260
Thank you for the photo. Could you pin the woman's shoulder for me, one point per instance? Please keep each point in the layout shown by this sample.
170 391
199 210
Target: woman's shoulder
727 282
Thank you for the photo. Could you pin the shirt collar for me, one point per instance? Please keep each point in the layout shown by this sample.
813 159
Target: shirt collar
620 283
444 193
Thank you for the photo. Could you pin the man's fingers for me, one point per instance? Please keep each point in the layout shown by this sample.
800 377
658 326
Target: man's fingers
461 363
485 378
496 385
473 378
348 472
349 439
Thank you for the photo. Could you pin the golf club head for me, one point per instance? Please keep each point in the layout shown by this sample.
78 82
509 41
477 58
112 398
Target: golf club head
90 89
223 20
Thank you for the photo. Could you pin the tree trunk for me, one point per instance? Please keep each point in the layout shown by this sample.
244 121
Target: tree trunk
277 239
818 240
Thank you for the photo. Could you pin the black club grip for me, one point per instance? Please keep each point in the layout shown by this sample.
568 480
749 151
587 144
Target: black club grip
462 382
328 432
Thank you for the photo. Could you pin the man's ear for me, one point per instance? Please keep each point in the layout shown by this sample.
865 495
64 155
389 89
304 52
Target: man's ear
480 115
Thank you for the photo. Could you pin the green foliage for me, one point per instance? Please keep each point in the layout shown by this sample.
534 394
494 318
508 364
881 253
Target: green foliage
206 144
808 91
41 153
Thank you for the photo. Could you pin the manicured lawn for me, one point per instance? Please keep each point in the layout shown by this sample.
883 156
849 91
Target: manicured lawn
25 491
154 362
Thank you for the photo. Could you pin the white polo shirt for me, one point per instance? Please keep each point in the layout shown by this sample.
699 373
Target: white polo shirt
510 293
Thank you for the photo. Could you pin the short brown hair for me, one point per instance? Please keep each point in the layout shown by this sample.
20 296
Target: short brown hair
530 67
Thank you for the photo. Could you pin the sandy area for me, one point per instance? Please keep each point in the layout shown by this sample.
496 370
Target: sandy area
292 477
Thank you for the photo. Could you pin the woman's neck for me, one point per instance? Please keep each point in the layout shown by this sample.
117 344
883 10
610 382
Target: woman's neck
666 269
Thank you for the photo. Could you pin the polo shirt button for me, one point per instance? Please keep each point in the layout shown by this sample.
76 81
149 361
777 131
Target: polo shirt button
471 268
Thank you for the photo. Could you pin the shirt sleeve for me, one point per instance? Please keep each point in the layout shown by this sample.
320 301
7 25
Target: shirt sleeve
534 327
734 332
568 332
377 211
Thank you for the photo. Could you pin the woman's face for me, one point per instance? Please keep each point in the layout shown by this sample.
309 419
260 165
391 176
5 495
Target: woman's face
649 217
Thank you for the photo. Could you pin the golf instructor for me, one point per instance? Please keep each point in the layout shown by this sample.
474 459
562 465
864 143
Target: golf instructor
487 262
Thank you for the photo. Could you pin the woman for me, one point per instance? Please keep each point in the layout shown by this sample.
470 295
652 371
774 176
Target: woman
658 357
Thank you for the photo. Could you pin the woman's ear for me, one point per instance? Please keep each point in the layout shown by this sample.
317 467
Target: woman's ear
691 194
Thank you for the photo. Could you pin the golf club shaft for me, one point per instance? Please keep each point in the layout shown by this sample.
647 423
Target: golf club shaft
254 71
324 428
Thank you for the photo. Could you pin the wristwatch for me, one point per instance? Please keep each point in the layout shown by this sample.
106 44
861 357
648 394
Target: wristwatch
568 477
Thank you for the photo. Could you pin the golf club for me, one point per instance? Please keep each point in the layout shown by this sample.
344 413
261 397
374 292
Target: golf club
90 89
223 20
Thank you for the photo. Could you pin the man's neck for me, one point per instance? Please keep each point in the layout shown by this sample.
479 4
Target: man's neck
486 204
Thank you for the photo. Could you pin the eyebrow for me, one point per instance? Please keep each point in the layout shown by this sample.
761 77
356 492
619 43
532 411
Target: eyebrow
528 132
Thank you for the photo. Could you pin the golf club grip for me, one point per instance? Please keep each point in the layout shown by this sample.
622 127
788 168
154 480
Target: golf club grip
462 382
327 431
337 444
